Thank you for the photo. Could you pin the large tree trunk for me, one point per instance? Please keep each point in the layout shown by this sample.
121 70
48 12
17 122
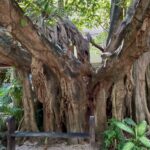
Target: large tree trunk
140 89
29 121
63 100
130 96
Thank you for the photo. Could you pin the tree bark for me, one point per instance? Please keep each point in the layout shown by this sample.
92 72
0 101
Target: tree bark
141 107
11 53
29 122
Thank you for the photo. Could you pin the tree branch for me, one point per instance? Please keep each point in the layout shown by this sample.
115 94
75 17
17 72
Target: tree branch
93 42
135 44
122 29
30 38
11 53
115 16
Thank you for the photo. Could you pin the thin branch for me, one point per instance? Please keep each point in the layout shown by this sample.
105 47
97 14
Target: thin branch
89 38
96 45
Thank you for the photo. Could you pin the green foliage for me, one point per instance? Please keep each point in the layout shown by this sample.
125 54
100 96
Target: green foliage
23 22
10 101
84 13
11 92
124 3
113 137
128 146
126 135
2 124
89 12
145 141
2 76
16 92
124 127
101 38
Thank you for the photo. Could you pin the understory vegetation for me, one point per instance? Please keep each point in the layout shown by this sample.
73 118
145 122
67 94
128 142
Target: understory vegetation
126 135
10 98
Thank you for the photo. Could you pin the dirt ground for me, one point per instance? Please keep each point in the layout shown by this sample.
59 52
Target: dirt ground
60 146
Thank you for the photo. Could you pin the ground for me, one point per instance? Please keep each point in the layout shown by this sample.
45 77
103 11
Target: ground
60 146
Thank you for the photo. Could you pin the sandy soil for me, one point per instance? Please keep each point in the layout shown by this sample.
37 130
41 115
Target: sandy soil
62 146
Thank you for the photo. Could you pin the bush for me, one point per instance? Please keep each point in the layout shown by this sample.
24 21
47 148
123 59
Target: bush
126 135
10 102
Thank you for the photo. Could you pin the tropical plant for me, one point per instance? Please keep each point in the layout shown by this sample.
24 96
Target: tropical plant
10 101
126 135
113 137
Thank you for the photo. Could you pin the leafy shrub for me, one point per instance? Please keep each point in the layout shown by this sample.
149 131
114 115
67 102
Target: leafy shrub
10 101
2 124
126 135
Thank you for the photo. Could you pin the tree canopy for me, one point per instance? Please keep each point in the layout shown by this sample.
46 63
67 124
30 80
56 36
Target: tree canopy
80 12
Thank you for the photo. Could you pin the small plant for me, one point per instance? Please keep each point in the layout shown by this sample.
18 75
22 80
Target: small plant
10 102
113 137
126 135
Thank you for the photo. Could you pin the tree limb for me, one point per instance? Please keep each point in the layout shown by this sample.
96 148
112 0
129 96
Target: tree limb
115 16
11 53
30 38
122 29
132 48
93 42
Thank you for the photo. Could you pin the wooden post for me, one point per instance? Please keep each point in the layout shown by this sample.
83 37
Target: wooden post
92 132
10 122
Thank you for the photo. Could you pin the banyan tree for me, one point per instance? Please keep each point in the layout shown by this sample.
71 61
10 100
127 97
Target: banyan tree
64 83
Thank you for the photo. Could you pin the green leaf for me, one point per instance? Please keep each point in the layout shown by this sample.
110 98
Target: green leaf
124 127
145 141
4 91
46 7
128 146
23 22
129 121
141 128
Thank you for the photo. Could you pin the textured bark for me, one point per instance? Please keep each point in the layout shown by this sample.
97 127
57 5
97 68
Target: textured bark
116 15
130 96
29 123
100 107
47 91
142 112
73 104
63 100
118 96
11 53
